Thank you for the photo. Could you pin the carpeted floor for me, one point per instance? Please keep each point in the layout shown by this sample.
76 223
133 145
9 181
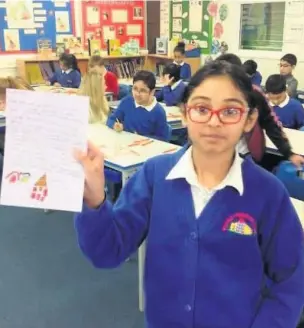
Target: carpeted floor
45 282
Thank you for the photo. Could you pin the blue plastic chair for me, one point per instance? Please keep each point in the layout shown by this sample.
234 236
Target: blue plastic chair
292 178
113 183
300 96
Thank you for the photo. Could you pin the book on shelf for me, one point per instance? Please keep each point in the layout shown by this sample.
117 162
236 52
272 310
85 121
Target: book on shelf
124 69
94 47
113 47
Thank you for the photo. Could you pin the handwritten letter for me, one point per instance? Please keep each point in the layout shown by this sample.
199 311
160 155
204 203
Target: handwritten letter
42 129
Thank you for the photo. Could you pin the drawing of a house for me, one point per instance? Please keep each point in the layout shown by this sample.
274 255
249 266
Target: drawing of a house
40 189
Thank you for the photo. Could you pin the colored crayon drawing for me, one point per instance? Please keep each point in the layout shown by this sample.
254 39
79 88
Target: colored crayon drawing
16 176
40 189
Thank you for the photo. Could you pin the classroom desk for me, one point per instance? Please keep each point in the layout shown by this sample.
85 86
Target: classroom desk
127 160
296 139
49 88
299 206
129 82
174 115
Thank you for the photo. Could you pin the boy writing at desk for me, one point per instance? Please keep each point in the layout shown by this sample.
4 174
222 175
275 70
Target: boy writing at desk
141 113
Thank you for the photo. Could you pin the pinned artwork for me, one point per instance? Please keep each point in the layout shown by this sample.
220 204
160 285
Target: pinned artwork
215 47
218 30
212 8
20 14
62 21
223 12
11 40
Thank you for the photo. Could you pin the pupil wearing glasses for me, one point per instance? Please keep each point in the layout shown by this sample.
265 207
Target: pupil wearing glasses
141 113
224 243
287 65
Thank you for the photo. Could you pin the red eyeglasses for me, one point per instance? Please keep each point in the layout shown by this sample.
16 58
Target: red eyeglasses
228 115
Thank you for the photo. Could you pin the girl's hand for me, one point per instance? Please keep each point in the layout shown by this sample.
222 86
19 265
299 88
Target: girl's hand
167 80
92 162
56 84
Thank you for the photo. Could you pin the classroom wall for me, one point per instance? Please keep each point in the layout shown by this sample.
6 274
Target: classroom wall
8 62
267 61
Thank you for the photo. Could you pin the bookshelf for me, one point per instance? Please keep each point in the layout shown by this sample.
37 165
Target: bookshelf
155 62
37 69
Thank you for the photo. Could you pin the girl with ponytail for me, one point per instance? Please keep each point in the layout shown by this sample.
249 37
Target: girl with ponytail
224 243
179 57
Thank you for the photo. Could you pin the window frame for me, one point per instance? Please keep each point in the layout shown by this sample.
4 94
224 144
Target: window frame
256 53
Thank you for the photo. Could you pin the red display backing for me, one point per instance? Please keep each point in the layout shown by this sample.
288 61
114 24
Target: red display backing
123 20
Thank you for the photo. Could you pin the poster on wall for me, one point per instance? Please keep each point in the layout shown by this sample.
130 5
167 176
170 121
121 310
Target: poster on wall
93 15
120 20
195 16
11 40
62 21
20 14
294 8
165 18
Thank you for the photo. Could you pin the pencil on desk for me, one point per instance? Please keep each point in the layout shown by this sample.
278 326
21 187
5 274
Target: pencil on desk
147 142
169 150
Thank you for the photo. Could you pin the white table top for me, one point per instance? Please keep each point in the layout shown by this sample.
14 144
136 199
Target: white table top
120 151
296 139
299 206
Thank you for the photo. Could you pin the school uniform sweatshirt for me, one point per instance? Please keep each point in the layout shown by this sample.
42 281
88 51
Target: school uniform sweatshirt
185 71
68 79
149 121
290 113
240 264
171 95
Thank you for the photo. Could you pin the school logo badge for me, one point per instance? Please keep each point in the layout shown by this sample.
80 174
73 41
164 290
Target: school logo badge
240 223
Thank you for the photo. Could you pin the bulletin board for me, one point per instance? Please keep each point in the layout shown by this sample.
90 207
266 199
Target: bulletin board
123 20
23 22
192 20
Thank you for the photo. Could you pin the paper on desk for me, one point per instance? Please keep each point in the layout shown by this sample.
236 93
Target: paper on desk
42 129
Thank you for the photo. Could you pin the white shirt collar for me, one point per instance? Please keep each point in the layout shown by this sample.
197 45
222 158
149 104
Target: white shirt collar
185 169
181 64
282 104
67 71
174 86
148 108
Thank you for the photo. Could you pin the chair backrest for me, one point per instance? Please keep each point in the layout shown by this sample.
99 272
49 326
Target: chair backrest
292 178
300 96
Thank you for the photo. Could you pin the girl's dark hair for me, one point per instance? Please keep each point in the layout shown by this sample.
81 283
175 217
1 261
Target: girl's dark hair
74 63
173 70
180 48
69 61
254 98
147 77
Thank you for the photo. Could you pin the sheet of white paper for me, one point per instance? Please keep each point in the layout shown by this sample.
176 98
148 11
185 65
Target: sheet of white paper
133 29
20 14
119 16
93 15
294 7
62 21
165 18
39 168
177 25
109 32
195 16
177 10
11 40
293 32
